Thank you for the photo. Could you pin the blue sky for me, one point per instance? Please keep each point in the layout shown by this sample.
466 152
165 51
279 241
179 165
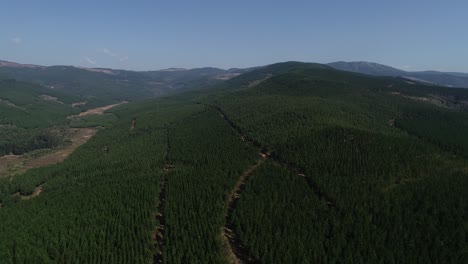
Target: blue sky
149 35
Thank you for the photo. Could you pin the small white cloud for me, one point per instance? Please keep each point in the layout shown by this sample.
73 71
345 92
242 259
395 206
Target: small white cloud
16 40
90 61
112 54
108 52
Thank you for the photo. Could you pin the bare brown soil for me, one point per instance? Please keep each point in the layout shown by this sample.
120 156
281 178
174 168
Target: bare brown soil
158 233
225 76
106 71
79 103
50 98
17 164
97 111
37 191
8 103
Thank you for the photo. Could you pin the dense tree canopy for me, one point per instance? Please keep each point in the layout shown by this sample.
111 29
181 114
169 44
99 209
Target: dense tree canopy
355 169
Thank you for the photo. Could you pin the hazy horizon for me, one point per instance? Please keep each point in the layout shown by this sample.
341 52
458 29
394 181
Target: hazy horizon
209 66
421 35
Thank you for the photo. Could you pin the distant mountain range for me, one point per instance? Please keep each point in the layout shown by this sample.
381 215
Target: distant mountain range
449 79
111 85
115 85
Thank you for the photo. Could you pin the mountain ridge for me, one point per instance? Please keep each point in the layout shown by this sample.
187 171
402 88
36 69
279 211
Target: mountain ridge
115 85
449 79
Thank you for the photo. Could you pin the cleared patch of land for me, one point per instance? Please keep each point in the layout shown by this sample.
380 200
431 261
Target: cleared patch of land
97 111
431 99
16 164
225 76
8 103
50 98
79 103
11 165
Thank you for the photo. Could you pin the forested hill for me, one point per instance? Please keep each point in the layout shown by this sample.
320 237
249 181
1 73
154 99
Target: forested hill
27 111
449 79
111 85
288 163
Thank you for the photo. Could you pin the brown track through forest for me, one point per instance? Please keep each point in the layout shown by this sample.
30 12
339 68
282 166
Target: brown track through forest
37 191
237 251
321 194
158 234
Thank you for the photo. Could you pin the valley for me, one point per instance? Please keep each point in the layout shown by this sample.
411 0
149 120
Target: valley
232 132
310 164
11 165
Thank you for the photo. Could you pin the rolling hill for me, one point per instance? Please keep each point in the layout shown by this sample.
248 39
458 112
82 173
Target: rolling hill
109 85
27 112
288 163
450 79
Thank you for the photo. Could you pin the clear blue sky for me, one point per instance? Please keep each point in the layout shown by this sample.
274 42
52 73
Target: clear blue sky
148 35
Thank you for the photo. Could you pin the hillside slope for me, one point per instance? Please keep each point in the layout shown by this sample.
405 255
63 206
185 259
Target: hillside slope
111 85
27 111
288 163
441 78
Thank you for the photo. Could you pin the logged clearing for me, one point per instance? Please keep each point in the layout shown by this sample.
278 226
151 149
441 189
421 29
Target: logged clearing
50 98
16 164
11 165
8 103
431 99
97 111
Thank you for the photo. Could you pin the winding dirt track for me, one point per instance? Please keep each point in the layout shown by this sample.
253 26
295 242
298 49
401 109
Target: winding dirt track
321 194
238 252
37 191
158 234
